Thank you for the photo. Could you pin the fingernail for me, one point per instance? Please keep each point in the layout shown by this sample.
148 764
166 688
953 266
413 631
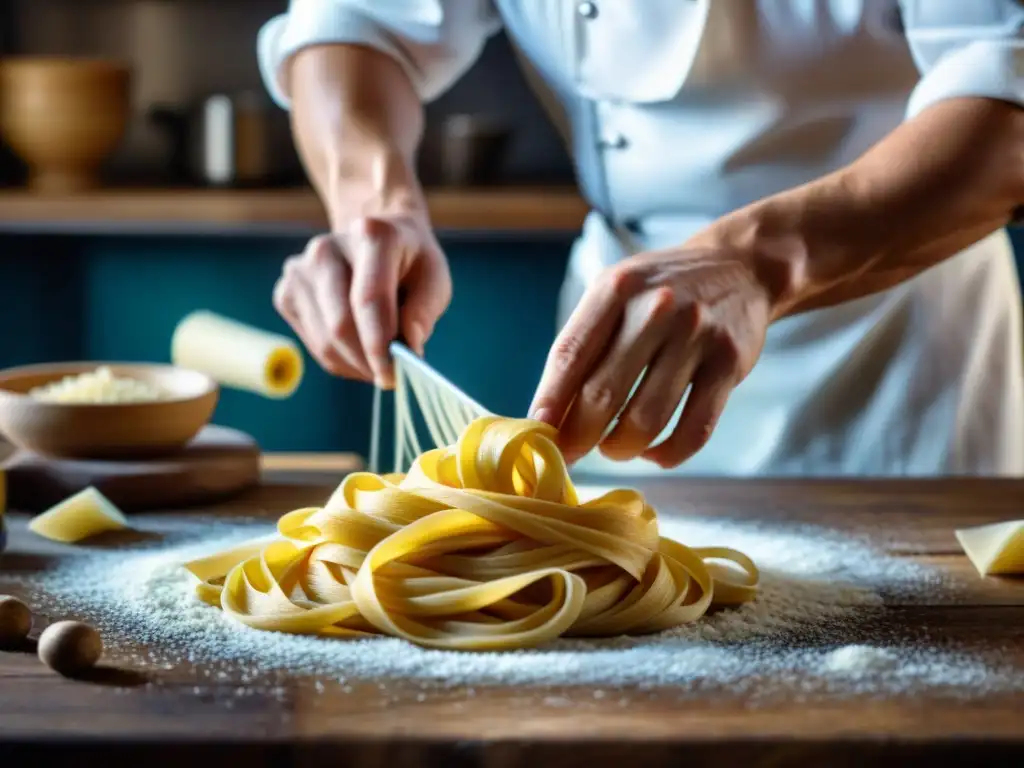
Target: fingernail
380 377
417 335
543 414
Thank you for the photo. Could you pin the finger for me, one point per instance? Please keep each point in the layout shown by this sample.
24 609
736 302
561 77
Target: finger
282 294
579 346
651 407
428 294
604 393
712 385
375 251
314 334
330 283
284 299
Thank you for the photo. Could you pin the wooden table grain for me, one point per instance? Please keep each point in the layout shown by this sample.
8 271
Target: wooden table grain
165 716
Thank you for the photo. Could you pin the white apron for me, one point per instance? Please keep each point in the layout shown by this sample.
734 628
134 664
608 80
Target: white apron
924 379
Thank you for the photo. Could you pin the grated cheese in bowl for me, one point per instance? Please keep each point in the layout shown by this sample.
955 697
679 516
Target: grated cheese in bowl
99 386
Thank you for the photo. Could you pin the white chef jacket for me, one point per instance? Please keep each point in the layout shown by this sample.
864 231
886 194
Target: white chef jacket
679 111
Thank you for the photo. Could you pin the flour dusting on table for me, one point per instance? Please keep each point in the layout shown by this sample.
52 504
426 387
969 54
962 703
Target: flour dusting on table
814 627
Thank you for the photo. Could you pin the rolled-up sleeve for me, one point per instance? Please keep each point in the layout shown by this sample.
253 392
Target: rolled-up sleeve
435 41
965 48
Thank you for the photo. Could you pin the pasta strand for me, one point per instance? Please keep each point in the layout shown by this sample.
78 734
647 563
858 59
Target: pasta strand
482 545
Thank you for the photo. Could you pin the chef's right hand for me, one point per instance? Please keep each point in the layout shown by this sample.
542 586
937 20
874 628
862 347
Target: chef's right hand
341 294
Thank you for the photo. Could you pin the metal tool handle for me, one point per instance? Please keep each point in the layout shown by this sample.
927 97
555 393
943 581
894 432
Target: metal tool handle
410 358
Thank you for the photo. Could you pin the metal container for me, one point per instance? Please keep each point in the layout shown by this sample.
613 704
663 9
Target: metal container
473 150
233 145
226 140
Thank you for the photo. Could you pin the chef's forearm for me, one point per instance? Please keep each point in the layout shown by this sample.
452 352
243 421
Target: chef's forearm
357 122
934 186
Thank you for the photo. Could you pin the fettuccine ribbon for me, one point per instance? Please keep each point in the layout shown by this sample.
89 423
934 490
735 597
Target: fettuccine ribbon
481 546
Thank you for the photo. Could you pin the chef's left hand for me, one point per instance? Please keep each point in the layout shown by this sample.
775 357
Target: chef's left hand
694 317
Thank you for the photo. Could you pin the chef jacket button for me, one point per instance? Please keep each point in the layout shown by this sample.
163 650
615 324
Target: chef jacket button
587 9
618 141
633 226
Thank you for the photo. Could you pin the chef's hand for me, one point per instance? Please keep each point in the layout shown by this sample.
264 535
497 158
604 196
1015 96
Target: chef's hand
341 294
694 318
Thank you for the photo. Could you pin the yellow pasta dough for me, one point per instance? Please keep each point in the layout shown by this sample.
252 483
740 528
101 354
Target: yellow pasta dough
482 545
995 549
238 355
78 517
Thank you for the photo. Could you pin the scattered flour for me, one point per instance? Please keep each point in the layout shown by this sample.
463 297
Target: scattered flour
861 659
820 593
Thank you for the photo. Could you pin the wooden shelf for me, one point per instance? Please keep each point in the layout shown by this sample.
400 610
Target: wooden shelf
188 211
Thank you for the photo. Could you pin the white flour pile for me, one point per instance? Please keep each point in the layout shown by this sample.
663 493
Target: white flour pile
820 593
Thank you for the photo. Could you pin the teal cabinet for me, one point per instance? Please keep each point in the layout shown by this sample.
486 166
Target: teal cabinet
119 298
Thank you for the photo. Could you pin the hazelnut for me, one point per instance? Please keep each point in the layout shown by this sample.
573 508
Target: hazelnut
15 621
70 647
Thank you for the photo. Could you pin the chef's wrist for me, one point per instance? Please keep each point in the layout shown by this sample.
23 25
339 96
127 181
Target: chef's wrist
768 242
371 183
803 242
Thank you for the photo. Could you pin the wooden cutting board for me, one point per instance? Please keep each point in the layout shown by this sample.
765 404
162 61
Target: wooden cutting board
219 463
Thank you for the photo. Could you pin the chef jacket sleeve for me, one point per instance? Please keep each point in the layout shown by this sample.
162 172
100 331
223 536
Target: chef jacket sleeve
965 48
435 41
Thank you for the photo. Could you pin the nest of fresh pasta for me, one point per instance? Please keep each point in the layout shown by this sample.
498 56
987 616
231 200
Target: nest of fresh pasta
482 545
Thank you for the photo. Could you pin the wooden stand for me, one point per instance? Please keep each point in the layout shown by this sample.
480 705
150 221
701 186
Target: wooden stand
219 463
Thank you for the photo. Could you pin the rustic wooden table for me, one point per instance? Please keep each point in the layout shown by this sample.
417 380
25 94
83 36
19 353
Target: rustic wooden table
161 717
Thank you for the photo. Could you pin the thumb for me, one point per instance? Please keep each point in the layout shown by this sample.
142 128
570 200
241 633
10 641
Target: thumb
428 292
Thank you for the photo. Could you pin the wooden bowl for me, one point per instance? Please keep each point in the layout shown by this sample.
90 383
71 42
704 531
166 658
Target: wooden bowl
63 117
114 430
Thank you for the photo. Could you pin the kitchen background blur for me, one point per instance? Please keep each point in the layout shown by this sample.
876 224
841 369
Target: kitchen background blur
181 217
177 222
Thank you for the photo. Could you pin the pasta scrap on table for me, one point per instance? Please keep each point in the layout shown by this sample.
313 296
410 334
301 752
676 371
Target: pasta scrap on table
87 513
995 549
482 545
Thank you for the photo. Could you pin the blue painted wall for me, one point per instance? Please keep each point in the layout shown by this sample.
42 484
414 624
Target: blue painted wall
119 298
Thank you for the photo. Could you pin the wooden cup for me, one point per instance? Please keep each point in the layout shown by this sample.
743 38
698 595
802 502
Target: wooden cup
63 117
